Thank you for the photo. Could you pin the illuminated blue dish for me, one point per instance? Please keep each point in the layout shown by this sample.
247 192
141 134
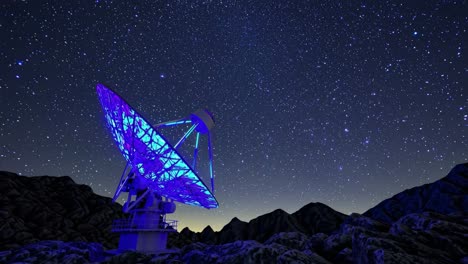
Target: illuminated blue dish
153 159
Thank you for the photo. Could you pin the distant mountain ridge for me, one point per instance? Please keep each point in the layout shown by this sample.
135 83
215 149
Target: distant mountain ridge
310 219
445 196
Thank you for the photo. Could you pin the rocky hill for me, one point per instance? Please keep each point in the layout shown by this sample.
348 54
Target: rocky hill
53 208
445 196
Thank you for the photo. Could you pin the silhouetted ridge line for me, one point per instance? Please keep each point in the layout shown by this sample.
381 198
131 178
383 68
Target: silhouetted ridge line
445 196
53 208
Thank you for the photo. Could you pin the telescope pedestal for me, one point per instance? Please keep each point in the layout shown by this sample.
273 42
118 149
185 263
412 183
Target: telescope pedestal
147 228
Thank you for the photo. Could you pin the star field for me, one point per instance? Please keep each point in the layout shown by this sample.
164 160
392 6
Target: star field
341 103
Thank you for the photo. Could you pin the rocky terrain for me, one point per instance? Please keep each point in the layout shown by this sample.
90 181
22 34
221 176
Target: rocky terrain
53 208
426 224
415 238
54 252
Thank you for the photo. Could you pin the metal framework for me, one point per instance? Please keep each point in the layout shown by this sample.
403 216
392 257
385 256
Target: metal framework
151 160
155 175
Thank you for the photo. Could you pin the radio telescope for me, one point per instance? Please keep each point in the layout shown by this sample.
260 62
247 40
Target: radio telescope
156 175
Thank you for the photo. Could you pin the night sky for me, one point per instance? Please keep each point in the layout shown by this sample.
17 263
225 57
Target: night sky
341 103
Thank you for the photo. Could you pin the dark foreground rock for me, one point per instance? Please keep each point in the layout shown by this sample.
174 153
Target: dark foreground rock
53 252
415 238
53 208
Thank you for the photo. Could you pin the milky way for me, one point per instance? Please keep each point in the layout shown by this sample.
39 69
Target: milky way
344 104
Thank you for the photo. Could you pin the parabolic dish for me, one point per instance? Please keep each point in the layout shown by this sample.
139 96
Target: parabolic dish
150 154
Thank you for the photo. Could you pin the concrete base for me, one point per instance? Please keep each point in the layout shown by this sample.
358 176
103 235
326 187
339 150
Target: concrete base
146 230
143 241
113 252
